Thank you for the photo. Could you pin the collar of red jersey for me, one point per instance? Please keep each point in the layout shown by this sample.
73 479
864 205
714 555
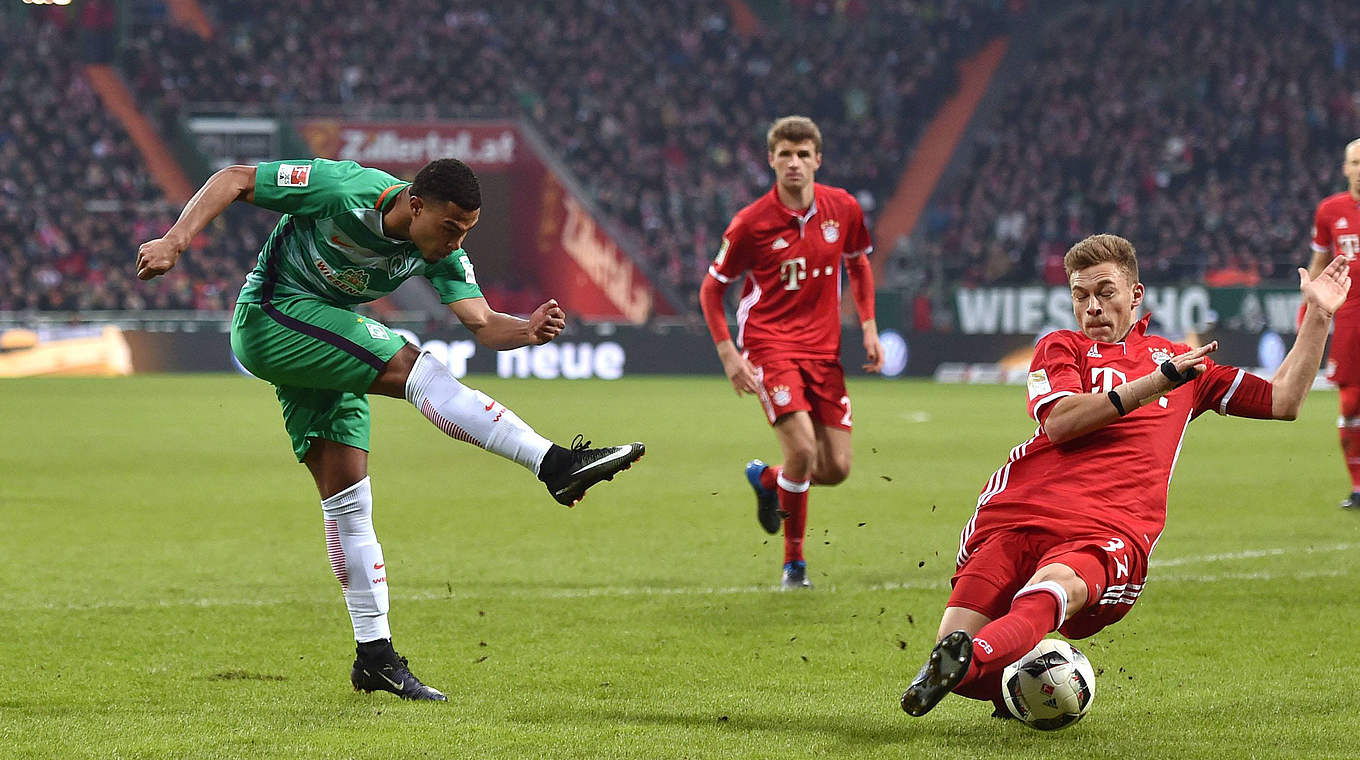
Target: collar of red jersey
804 216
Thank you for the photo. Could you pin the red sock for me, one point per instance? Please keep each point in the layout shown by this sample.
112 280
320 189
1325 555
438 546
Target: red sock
1036 611
1350 447
793 499
769 477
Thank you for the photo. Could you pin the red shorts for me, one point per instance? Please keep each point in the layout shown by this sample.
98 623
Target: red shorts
1113 570
805 385
1343 357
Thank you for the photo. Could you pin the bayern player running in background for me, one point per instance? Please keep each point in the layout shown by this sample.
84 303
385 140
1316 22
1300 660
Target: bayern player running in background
1063 531
1336 232
349 235
790 246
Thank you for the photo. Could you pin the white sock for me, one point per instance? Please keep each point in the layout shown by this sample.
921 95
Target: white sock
357 559
472 416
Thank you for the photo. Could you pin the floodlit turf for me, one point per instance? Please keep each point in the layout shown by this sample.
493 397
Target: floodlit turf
168 592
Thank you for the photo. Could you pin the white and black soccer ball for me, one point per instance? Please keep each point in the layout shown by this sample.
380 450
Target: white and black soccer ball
1051 687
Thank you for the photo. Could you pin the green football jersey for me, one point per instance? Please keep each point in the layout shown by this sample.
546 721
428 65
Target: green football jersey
330 242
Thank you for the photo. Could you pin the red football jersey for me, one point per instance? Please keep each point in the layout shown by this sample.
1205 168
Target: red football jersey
1114 478
790 302
1336 230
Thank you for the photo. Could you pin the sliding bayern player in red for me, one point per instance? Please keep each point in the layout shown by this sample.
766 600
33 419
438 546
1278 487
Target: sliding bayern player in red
1062 533
790 247
350 235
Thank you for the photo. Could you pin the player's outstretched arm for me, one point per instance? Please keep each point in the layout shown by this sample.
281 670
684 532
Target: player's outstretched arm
1322 296
1076 415
234 183
503 332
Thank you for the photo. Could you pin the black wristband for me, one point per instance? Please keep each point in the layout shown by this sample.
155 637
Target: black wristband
1169 369
1118 405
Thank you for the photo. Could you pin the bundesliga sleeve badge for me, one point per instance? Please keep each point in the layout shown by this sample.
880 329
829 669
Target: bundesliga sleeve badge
1038 384
294 175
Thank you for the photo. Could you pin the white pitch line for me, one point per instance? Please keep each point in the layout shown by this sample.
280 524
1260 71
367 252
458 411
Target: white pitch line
1250 554
589 592
1260 575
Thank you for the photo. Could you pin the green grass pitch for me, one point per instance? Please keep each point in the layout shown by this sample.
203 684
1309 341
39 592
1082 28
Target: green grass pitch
167 590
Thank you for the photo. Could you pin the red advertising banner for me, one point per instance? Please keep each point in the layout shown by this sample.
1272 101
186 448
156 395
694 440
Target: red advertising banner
402 147
536 239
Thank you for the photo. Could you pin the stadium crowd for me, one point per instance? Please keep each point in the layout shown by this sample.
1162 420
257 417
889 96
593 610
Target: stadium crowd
75 198
1204 132
659 109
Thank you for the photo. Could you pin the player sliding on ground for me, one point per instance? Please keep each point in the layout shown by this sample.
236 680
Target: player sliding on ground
350 235
1063 531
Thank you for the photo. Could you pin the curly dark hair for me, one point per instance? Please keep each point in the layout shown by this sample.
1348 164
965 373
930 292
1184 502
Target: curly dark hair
448 179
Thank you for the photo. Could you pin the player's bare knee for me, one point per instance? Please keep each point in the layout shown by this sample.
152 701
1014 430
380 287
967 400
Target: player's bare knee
391 381
1071 583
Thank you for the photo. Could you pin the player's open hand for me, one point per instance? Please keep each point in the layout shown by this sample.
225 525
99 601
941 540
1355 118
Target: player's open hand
547 322
741 372
155 258
1328 291
1191 363
873 352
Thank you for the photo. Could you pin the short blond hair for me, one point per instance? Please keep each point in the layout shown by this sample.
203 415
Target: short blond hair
795 129
1100 249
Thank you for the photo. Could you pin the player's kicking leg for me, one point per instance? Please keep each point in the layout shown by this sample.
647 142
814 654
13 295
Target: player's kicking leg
473 417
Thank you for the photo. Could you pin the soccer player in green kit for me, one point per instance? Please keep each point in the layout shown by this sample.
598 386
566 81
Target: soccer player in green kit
349 235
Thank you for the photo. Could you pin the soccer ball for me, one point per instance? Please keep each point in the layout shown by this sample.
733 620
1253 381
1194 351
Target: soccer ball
1051 687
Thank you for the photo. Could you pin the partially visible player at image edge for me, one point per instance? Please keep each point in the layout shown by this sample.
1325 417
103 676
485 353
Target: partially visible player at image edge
1062 533
1336 232
350 235
789 248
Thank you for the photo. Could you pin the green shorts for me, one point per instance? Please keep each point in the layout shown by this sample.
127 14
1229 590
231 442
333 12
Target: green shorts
321 358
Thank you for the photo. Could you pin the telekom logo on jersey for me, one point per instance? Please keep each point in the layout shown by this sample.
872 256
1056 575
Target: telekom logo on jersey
793 272
1104 379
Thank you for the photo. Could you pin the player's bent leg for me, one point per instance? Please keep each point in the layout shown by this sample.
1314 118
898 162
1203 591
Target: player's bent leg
1036 610
832 464
767 500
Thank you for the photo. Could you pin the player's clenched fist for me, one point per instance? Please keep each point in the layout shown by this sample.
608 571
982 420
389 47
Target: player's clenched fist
547 322
155 258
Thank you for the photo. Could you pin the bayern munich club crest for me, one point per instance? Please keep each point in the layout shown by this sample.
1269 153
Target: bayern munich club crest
831 230
781 395
1160 355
